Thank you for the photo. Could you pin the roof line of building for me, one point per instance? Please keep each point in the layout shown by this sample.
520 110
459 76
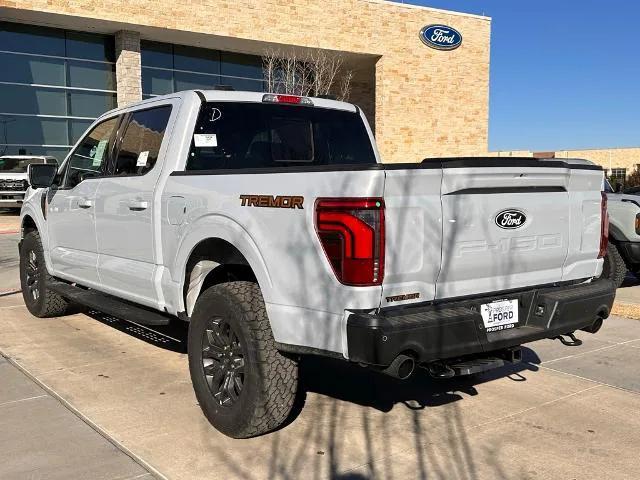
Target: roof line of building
567 149
431 9
596 148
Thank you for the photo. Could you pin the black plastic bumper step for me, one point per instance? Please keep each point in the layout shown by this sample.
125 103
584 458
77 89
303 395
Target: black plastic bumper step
479 365
109 304
474 365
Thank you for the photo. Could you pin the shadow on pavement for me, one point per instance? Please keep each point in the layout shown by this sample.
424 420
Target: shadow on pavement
352 383
343 380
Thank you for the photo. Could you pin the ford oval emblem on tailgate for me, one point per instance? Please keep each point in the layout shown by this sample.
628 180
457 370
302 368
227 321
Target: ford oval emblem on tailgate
510 219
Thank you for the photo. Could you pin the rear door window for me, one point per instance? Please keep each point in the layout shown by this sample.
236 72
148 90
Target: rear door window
256 135
140 145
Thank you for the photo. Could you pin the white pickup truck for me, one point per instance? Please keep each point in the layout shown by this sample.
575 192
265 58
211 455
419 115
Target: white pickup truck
269 223
13 177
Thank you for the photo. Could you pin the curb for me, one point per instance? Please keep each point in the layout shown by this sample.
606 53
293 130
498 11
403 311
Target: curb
7 293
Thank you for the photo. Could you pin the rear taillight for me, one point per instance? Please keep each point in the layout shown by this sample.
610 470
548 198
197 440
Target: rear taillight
604 226
351 231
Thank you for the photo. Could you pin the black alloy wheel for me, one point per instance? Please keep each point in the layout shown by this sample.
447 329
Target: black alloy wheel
223 361
33 275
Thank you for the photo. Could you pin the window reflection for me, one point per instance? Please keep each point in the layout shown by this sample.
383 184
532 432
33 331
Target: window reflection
43 80
170 68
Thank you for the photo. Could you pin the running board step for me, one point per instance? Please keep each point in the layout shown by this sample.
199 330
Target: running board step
109 305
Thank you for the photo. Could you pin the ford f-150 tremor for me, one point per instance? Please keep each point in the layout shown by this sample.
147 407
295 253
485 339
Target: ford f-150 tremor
269 223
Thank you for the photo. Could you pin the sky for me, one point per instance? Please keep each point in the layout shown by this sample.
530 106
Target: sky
565 74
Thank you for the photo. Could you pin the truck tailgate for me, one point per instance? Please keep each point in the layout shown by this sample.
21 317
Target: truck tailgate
503 228
455 229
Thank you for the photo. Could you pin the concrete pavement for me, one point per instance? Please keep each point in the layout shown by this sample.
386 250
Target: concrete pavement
41 439
9 221
569 412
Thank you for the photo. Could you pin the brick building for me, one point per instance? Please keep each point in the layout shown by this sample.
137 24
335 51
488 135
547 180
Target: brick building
66 61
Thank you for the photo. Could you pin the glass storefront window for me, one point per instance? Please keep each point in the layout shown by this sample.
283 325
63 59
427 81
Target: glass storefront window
48 76
188 81
58 152
238 65
77 128
154 54
16 130
16 37
31 69
157 82
91 75
90 46
85 104
245 84
24 99
196 59
170 68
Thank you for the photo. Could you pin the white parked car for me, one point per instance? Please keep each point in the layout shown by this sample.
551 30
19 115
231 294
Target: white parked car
269 224
13 177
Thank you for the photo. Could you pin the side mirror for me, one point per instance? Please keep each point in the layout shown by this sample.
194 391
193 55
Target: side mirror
41 175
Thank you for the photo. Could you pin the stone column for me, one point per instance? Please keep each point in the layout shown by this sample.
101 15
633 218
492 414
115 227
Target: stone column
128 69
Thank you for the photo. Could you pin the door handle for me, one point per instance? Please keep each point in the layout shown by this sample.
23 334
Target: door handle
84 203
138 206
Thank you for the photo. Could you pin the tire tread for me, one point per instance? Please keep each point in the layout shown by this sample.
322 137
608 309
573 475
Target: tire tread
53 305
278 374
618 268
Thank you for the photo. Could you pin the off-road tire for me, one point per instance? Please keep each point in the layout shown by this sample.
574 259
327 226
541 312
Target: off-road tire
47 303
614 267
270 378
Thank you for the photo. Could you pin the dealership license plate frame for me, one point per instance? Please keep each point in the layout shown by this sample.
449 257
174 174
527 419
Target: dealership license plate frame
500 315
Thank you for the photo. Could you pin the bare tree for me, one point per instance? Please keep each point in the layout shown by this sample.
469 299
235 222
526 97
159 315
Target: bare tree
314 73
345 85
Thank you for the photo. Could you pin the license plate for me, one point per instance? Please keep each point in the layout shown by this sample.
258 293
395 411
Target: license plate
499 315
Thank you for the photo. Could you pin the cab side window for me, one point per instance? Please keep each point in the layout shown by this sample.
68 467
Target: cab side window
141 141
90 158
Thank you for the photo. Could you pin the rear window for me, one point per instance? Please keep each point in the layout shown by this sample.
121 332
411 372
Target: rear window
255 135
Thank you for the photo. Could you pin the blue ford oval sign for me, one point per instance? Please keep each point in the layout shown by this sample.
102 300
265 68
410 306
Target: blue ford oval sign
440 37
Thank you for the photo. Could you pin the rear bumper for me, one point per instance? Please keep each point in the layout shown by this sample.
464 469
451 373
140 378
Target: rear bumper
456 328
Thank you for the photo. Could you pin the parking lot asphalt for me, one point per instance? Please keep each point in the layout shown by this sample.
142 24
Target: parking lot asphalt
564 413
